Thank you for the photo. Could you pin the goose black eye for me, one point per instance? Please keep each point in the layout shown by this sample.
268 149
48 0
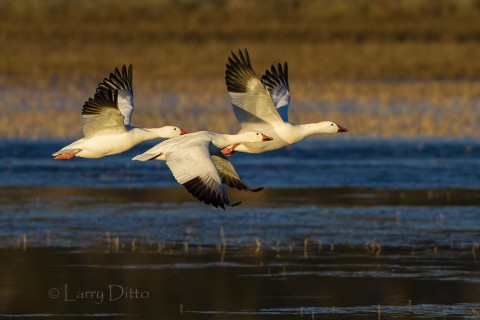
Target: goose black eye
174 128
258 133
332 124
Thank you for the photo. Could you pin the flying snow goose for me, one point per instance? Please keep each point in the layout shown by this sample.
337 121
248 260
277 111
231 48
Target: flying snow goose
106 121
263 105
197 162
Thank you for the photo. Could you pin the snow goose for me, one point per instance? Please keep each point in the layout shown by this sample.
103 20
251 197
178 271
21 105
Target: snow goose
197 162
106 121
263 105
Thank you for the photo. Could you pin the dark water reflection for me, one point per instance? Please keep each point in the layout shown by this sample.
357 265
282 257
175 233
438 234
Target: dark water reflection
239 283
344 229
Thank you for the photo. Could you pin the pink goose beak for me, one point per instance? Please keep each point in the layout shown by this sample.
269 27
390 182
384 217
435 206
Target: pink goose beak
341 129
266 138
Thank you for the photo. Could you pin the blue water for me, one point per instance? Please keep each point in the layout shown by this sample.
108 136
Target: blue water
344 229
398 192
408 164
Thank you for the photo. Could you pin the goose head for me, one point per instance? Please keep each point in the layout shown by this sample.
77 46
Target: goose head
168 132
331 127
224 140
255 136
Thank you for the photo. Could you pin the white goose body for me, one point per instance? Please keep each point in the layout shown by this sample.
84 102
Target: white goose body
197 163
283 134
102 145
263 105
106 122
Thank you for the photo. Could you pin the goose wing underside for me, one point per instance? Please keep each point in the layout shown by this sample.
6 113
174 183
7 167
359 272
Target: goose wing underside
276 83
122 82
193 168
252 103
228 173
101 114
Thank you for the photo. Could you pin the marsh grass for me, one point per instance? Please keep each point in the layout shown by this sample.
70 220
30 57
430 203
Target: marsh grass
380 68
372 108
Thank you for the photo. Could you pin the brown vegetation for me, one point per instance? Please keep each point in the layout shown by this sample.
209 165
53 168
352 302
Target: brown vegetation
381 68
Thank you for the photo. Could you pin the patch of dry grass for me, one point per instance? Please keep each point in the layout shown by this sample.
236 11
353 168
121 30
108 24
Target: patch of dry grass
369 108
381 68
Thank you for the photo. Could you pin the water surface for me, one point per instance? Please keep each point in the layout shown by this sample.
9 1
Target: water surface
345 229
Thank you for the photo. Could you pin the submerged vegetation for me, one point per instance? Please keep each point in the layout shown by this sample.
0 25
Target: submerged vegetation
380 68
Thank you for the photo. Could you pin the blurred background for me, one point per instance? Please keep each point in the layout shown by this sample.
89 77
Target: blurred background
404 68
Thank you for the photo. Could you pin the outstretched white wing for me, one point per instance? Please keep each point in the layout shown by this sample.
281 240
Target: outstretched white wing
252 103
189 158
122 82
101 114
193 167
276 83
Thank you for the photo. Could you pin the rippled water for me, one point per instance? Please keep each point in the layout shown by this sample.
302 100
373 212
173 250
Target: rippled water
312 163
345 229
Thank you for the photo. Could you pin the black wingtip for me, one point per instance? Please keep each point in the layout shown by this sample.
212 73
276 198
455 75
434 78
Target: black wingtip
120 79
238 71
127 76
255 190
110 95
239 185
202 192
101 99
235 204
276 76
